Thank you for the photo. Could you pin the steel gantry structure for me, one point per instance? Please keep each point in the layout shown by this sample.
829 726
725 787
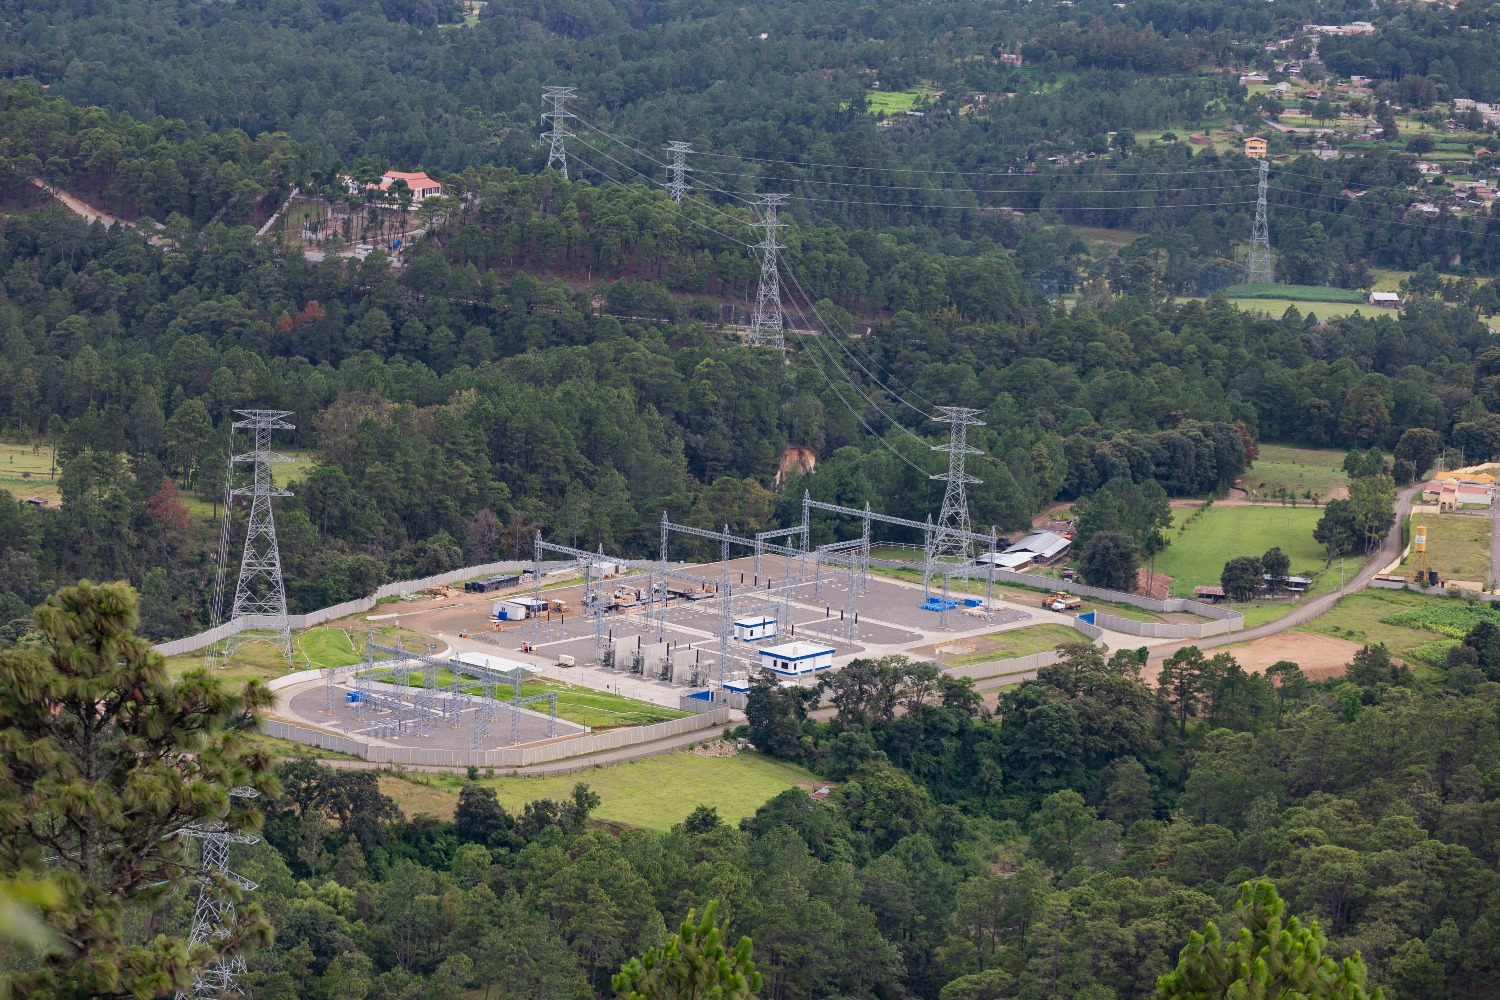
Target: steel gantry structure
421 709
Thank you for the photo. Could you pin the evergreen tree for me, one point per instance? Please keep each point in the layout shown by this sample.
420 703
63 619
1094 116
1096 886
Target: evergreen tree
104 759
1271 959
694 964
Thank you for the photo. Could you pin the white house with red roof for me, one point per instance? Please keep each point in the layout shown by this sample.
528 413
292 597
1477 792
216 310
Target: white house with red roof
422 187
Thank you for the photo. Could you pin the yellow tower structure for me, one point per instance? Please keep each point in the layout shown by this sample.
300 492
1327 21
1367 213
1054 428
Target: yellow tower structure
1418 569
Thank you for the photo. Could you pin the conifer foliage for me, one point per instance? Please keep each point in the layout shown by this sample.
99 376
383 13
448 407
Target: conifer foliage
1270 959
103 758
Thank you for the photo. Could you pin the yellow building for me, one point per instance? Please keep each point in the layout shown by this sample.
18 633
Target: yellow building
1255 148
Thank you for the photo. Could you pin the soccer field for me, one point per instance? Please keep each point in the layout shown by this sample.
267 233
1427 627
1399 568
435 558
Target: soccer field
1197 556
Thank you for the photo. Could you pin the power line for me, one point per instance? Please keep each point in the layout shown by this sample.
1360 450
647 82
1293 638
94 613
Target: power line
949 173
807 297
702 225
855 413
633 148
972 190
766 323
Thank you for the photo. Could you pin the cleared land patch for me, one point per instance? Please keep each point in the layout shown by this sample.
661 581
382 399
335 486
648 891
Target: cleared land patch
1285 468
1458 545
1197 555
655 792
1006 645
1419 628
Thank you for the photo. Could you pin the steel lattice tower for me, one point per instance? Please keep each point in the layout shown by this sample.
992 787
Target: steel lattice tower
260 593
557 156
950 537
213 917
678 169
767 323
1258 269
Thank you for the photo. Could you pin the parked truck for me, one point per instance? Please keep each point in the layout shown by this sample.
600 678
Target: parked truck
1062 601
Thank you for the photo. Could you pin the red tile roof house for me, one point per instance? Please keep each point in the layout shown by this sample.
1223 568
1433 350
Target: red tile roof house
421 185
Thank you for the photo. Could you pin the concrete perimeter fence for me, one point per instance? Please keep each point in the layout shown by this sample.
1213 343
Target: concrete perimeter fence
1223 620
540 753
399 588
1463 592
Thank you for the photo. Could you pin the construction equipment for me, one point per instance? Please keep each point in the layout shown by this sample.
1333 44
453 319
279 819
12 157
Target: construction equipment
561 607
1061 600
564 660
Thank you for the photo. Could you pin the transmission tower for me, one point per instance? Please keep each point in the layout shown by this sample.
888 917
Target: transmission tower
213 917
1258 268
557 156
950 537
260 594
678 169
766 325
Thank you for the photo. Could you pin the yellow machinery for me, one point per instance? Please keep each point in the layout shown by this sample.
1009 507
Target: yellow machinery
1417 570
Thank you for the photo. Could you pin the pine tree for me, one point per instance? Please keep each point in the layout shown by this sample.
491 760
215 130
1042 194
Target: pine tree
1267 961
692 965
102 758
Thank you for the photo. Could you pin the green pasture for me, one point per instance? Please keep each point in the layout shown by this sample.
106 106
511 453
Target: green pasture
334 645
1197 555
1016 643
1365 618
1276 308
1295 470
1296 293
25 470
655 793
1458 545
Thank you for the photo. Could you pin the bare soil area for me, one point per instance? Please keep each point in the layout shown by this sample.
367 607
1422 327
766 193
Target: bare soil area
1319 656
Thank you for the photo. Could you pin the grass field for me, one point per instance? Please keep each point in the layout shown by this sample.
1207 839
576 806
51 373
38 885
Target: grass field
1280 466
324 646
1260 614
585 706
1458 545
1015 643
1297 293
25 470
1276 308
895 102
1358 618
1197 556
656 793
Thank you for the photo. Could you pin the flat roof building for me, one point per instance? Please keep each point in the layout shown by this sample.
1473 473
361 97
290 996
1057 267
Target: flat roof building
793 659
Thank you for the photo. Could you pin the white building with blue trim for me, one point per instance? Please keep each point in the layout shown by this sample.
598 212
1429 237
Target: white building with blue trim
793 659
754 629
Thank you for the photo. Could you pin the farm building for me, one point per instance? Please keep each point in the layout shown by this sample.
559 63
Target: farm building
792 659
1385 300
1046 547
1011 560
